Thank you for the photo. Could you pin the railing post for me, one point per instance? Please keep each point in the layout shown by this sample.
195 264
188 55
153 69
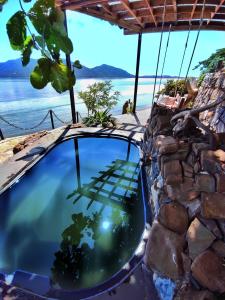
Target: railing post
52 119
1 135
137 71
68 63
77 116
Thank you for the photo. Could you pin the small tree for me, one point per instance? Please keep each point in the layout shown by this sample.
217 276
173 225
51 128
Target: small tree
99 96
210 64
174 86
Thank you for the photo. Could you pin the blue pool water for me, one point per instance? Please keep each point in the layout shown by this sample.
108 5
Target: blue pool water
77 216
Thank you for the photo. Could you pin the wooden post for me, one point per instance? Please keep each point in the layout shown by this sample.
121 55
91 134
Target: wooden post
68 62
1 135
52 120
137 71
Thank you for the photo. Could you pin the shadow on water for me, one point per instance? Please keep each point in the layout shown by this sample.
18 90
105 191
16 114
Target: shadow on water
96 243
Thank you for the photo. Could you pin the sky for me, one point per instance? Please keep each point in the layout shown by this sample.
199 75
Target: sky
98 42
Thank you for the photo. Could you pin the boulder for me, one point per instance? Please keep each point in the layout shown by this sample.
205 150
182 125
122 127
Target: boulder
163 252
213 205
199 238
174 217
209 270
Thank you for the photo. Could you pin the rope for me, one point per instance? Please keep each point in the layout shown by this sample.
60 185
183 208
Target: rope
165 55
22 128
196 41
159 52
184 54
60 120
36 126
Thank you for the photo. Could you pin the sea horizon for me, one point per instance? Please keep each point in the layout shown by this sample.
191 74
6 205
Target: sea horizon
24 106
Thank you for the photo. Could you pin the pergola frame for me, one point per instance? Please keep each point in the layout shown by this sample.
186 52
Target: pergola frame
148 16
138 16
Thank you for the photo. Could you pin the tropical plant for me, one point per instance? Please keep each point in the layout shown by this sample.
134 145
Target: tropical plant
210 64
99 118
50 39
99 96
174 86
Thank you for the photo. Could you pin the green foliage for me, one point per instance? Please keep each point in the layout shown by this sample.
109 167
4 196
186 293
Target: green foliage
51 40
99 96
16 30
174 86
200 79
210 65
99 118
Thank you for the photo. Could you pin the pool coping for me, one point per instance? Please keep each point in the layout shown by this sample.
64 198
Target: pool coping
22 166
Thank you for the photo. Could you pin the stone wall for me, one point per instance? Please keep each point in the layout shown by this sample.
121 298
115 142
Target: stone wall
186 180
213 86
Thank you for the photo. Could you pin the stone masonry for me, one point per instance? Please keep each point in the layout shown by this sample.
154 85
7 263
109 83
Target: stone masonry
186 180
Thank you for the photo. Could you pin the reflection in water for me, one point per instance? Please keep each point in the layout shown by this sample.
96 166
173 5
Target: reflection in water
93 246
83 239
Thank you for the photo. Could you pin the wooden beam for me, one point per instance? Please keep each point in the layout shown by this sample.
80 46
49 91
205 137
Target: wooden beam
121 23
216 10
175 8
152 29
131 11
147 2
193 9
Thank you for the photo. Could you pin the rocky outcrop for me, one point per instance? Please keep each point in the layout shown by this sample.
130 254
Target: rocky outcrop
187 196
212 87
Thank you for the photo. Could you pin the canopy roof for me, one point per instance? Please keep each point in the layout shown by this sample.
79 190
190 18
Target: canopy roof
136 16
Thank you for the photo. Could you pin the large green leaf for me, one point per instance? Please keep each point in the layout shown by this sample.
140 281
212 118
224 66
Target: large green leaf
62 79
58 42
39 16
16 30
27 50
39 78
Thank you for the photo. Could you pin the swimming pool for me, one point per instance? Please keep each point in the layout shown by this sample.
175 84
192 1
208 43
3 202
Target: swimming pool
75 218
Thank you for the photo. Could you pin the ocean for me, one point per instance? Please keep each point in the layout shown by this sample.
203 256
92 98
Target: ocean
24 106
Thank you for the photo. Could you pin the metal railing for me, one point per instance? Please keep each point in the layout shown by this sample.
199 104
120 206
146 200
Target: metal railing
50 113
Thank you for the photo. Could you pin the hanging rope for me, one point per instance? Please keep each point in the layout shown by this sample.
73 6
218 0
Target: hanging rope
159 52
184 54
196 41
165 55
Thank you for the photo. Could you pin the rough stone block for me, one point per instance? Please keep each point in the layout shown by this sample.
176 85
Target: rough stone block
163 252
199 238
197 147
191 294
172 172
205 183
174 217
211 161
212 226
186 191
187 170
219 247
220 183
168 145
213 205
209 270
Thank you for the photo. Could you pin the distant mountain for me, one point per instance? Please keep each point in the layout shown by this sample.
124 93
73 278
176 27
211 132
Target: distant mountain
14 68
